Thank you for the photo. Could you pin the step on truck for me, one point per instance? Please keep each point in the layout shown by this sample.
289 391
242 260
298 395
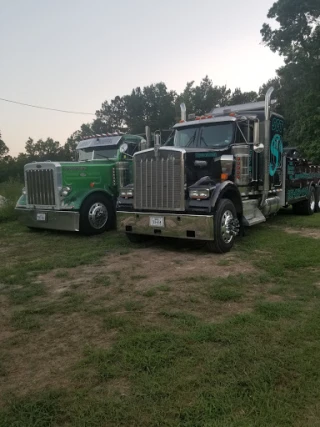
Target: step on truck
80 195
220 172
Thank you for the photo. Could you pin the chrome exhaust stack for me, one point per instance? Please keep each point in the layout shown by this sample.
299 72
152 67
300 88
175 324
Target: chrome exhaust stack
183 112
266 163
148 136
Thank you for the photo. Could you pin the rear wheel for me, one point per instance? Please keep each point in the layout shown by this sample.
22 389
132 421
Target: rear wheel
307 207
317 194
226 227
96 215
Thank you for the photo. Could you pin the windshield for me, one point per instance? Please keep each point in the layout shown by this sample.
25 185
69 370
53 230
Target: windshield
210 135
98 153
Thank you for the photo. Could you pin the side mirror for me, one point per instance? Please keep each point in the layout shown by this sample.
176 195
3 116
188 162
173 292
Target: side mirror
258 147
123 148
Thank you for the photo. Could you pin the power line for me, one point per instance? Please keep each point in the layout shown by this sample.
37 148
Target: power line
45 108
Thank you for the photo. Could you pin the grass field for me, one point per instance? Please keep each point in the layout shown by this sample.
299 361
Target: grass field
97 332
11 191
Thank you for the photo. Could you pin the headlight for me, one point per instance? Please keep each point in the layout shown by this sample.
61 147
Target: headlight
127 194
199 194
24 191
65 191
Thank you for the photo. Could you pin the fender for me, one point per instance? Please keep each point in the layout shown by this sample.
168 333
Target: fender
79 199
229 189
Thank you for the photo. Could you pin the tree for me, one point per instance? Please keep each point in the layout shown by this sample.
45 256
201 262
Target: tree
112 115
298 40
159 106
203 98
3 148
298 34
239 97
43 150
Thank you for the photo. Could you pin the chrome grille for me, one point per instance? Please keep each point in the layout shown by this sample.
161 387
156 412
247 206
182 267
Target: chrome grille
159 180
40 187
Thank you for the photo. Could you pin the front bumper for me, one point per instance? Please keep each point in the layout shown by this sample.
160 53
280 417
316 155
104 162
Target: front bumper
52 220
184 226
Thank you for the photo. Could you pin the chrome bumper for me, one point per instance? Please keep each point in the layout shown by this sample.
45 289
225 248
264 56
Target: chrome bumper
54 220
194 227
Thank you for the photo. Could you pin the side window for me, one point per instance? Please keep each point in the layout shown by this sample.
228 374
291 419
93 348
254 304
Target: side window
244 133
132 148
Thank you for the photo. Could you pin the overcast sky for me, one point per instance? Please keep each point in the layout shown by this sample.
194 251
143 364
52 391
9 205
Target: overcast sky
75 54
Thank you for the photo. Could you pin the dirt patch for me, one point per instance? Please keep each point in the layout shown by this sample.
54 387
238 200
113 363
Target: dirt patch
305 232
147 267
143 287
133 282
43 359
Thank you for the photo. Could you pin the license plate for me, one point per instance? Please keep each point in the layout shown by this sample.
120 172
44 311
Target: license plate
41 217
156 221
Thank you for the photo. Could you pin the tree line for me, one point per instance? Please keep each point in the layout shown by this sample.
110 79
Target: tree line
297 84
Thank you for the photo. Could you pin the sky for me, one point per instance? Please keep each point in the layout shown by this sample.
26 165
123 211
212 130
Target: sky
75 54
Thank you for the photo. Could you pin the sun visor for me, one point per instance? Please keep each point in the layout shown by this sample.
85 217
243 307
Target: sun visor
99 142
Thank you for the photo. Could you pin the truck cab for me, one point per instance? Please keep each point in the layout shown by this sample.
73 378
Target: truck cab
222 171
80 195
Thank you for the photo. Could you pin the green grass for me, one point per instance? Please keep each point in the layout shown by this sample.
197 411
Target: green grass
226 294
11 191
164 288
115 322
150 293
287 218
168 360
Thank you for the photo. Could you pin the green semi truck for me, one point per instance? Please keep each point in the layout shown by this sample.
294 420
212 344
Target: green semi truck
80 195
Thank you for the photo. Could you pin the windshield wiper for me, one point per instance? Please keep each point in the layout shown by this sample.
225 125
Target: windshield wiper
191 140
202 139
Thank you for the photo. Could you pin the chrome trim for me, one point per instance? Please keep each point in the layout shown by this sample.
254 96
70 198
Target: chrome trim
266 160
56 220
282 191
159 181
40 184
250 106
205 121
182 150
175 225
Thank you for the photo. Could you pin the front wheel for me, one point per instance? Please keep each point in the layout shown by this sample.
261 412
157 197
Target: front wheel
226 227
96 215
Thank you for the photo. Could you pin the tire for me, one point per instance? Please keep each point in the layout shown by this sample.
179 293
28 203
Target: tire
137 238
224 240
307 207
97 215
317 193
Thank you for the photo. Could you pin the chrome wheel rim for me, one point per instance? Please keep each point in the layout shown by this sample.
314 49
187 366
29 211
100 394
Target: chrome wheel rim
98 215
312 201
226 221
